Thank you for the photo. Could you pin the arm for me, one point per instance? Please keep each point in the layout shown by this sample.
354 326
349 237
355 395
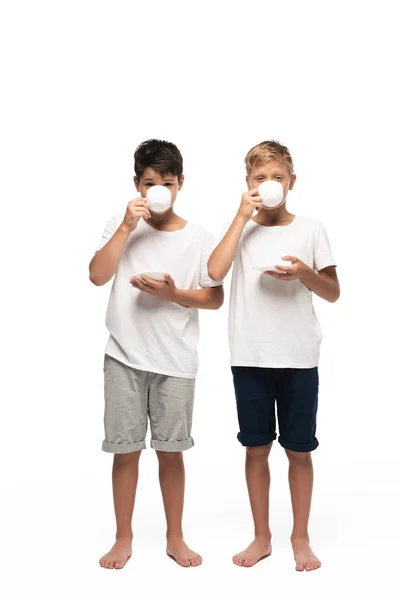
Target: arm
105 262
222 258
325 283
208 297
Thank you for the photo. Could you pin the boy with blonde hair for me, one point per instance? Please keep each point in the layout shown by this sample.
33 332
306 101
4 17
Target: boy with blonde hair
275 341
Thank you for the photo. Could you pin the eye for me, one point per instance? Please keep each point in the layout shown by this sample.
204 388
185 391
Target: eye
168 184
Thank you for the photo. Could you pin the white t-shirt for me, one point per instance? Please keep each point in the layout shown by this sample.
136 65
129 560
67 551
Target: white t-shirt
146 332
273 323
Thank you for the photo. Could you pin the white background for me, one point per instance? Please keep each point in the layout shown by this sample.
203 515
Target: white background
83 84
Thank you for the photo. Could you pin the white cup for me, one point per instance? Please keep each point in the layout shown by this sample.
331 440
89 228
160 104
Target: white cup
158 198
271 193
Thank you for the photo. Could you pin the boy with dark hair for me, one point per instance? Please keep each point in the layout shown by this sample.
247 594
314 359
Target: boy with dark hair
151 356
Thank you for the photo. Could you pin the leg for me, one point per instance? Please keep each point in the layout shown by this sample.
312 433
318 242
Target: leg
172 483
124 477
125 422
171 408
301 483
255 391
297 412
258 483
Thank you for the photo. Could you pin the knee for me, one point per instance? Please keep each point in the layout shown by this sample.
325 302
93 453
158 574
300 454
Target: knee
299 458
130 458
169 457
258 452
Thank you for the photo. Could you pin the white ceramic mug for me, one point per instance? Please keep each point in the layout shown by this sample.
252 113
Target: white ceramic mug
158 198
271 193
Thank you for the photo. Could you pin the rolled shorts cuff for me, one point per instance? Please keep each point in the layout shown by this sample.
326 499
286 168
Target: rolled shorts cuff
296 447
256 439
123 448
172 446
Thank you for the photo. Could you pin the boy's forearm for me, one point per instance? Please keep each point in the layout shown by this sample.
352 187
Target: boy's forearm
222 258
211 298
105 262
325 287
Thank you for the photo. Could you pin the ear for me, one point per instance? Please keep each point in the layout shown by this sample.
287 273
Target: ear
136 182
180 183
292 180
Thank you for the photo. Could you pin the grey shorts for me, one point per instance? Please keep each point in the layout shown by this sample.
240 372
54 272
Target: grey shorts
132 397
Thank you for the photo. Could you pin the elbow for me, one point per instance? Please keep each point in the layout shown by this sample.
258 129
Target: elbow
219 300
96 280
214 274
335 297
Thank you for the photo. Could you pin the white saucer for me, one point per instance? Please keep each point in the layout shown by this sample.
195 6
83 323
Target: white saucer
156 275
262 269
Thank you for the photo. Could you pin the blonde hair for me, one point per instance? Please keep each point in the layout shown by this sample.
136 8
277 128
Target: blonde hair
265 151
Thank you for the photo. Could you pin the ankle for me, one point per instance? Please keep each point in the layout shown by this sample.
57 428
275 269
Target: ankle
300 537
263 537
174 535
124 537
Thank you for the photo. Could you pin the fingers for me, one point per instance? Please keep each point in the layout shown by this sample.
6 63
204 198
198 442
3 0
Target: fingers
138 202
140 285
151 283
292 259
169 279
280 276
286 268
140 212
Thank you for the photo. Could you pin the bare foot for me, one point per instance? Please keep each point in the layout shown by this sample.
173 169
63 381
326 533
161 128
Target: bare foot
118 556
182 554
304 556
258 549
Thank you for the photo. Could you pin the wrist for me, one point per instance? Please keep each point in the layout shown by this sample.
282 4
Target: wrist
176 295
125 229
241 219
307 275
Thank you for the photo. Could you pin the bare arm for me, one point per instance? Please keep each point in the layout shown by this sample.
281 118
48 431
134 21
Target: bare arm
105 262
222 258
325 283
208 297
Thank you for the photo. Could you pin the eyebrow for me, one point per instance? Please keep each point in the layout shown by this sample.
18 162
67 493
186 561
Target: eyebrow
151 180
273 173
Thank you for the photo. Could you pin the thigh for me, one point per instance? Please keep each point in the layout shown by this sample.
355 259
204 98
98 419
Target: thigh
125 414
297 402
255 390
171 401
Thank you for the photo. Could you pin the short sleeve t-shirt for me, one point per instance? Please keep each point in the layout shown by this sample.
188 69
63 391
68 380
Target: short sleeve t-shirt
273 323
146 332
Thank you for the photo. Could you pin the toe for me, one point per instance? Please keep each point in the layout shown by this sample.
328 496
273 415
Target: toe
299 567
248 562
119 564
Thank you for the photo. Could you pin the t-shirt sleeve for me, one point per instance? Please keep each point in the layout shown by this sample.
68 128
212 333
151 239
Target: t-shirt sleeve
108 232
207 249
322 250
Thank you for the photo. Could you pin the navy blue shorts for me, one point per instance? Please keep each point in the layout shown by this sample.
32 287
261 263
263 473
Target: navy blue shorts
295 392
